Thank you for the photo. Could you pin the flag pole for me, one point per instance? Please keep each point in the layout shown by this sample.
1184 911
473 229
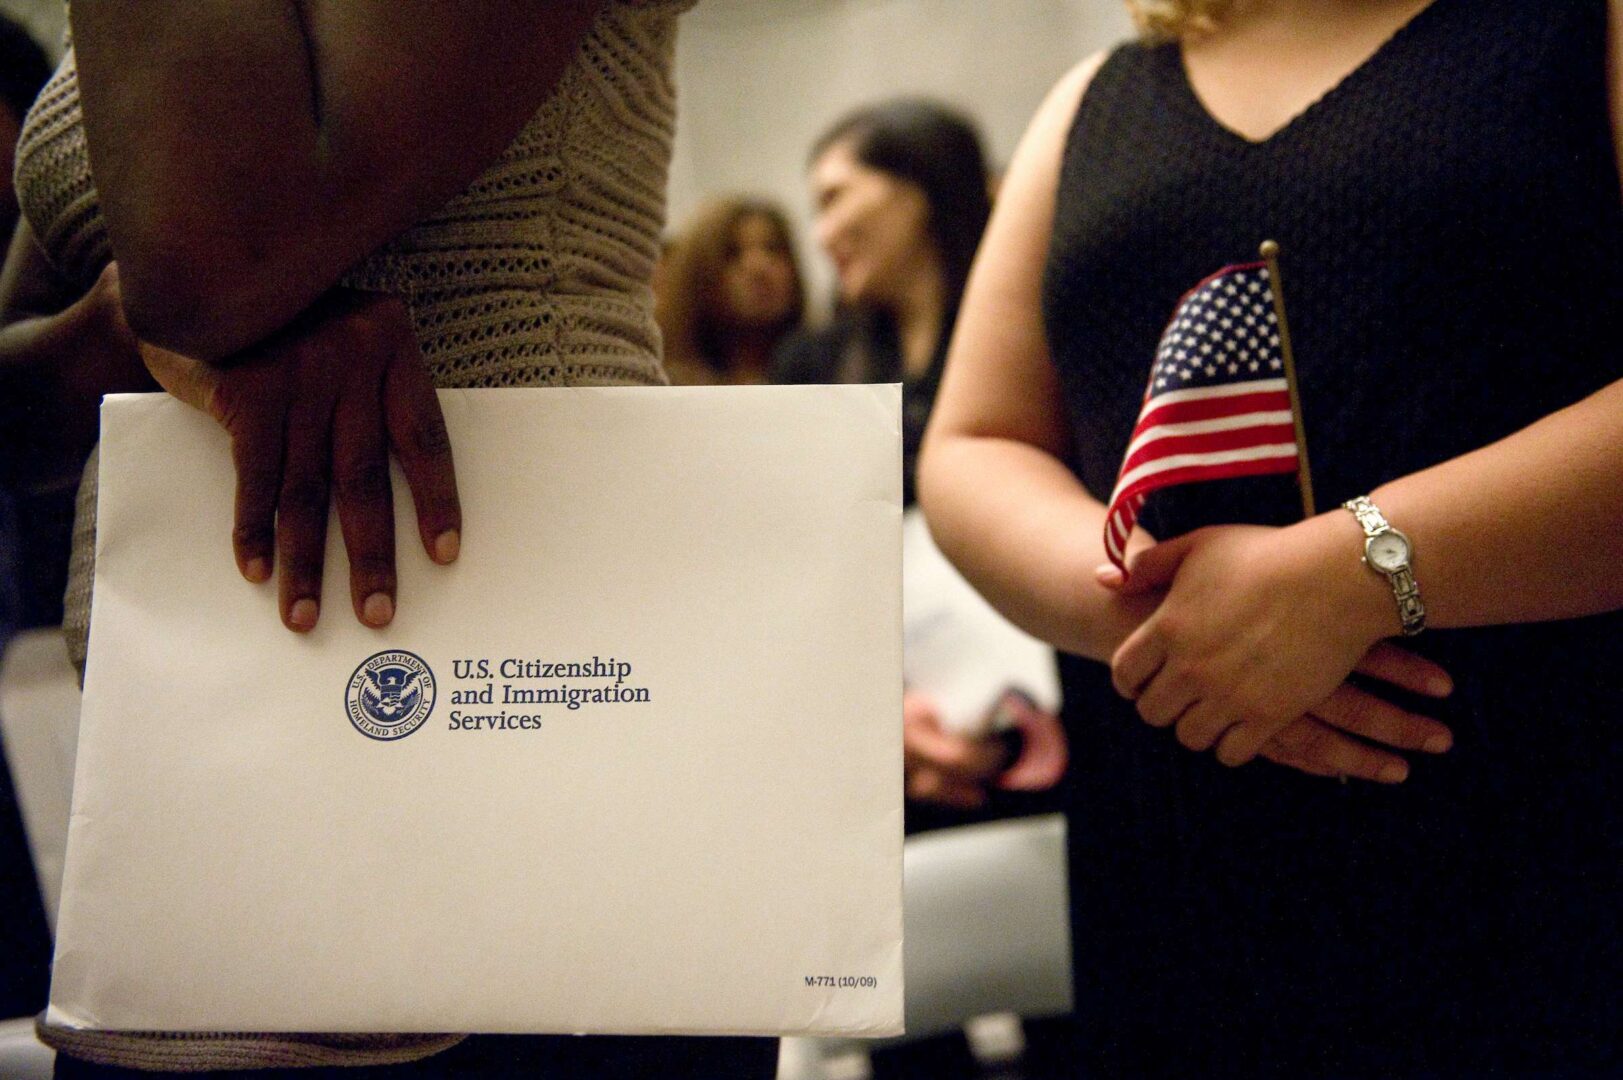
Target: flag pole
1304 475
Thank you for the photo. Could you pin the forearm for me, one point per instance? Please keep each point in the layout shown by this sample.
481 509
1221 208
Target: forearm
61 349
1028 536
187 140
248 152
1002 504
53 371
1527 529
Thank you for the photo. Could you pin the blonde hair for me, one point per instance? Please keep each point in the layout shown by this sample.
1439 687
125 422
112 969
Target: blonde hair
1162 20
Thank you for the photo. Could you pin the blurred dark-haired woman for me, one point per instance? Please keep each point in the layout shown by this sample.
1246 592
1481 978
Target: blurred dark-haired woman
901 196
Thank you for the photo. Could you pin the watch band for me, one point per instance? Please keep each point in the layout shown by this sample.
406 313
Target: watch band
1405 590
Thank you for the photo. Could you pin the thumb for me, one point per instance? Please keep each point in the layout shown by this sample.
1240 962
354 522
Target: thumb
918 710
1153 568
189 380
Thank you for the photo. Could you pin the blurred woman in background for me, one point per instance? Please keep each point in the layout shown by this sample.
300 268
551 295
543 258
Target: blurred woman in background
901 197
729 291
901 192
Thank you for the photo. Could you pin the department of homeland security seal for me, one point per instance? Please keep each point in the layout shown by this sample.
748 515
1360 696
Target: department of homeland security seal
390 695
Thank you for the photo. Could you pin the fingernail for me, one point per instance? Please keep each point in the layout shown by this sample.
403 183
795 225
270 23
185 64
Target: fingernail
446 546
1393 773
303 615
257 570
1437 744
1109 575
1437 686
378 609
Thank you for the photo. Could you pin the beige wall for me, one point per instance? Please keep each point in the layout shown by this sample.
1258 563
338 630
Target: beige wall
45 18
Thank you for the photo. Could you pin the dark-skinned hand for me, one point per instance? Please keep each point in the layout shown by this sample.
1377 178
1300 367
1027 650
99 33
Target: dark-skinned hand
313 415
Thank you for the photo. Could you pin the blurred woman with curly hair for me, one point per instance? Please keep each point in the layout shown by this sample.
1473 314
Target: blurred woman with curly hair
730 289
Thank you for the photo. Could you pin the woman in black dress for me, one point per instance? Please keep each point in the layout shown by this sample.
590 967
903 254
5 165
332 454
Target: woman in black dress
1443 181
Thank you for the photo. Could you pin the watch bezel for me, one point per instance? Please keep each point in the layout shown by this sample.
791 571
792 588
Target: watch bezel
1369 551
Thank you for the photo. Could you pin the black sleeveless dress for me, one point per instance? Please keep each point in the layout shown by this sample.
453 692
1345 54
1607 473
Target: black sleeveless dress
1452 239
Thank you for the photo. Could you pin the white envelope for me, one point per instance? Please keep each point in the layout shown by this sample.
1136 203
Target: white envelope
709 840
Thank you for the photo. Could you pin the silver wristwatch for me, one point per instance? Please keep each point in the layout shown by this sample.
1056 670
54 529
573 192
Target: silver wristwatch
1387 552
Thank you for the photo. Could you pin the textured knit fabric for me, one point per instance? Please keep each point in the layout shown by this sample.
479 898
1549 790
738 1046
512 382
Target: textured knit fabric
189 1053
509 1057
536 275
1452 270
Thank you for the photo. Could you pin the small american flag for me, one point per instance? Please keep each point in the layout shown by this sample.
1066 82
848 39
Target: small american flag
1218 403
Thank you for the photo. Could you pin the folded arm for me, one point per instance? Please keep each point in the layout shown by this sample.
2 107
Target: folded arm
248 152
316 408
1259 622
1529 528
61 349
1005 507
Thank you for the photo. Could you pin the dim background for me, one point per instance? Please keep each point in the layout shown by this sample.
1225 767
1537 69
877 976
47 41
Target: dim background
760 79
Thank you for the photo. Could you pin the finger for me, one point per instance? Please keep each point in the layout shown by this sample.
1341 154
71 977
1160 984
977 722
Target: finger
1283 749
1365 715
417 432
943 751
961 759
1203 724
926 744
1043 753
303 503
1402 668
918 709
1313 746
1165 699
929 785
1113 577
1137 661
1157 565
1242 742
181 377
363 496
257 449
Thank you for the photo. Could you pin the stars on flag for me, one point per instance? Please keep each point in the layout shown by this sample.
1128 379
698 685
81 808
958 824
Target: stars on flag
1216 404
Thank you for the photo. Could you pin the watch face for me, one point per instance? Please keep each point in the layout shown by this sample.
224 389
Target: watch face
1388 551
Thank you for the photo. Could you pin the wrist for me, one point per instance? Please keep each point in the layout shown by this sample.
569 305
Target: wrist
1105 616
1331 560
